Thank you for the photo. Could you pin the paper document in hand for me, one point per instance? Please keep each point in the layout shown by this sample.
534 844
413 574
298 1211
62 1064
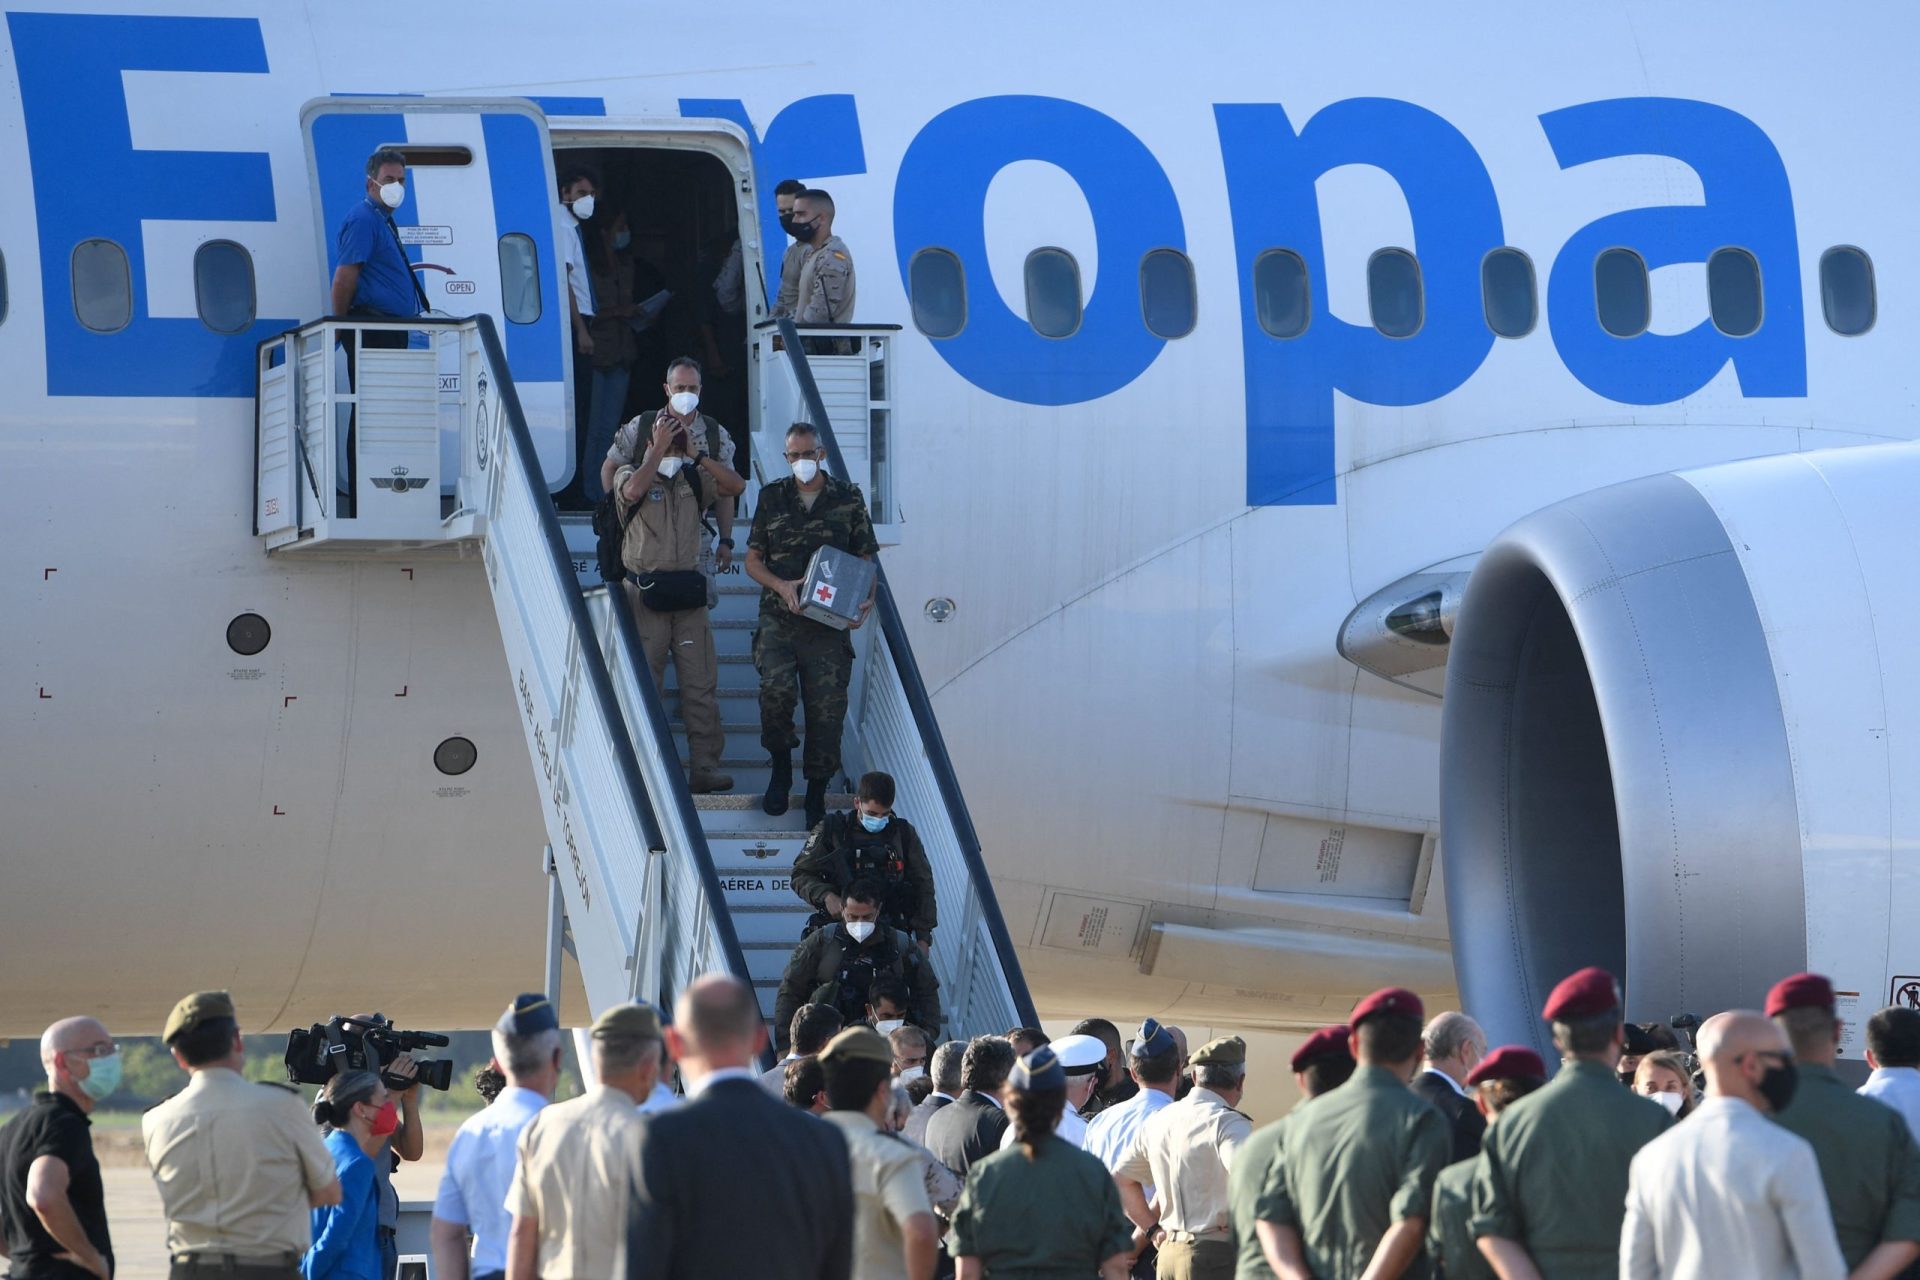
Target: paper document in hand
649 310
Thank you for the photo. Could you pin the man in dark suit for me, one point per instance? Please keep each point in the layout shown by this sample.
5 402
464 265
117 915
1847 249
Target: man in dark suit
1454 1045
734 1182
944 1070
971 1127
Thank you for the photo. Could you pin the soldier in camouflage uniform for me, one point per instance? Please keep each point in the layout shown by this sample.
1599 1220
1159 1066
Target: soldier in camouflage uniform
795 517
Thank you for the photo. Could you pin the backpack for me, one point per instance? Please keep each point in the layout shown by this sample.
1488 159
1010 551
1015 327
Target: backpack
611 531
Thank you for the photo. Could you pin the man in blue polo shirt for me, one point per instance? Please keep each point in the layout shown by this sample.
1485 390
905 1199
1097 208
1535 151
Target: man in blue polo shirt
373 277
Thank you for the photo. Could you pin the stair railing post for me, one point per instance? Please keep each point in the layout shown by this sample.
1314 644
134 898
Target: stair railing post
556 927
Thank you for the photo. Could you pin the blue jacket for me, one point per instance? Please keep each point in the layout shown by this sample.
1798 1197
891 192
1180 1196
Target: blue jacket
345 1243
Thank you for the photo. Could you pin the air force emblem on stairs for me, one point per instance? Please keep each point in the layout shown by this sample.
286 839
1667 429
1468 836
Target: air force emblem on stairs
400 481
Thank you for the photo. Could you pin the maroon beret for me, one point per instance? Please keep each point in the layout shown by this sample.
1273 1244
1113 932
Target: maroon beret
1326 1044
1387 1000
1582 995
1801 991
1509 1062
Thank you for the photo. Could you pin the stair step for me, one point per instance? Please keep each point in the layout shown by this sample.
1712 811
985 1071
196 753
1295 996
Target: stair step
768 959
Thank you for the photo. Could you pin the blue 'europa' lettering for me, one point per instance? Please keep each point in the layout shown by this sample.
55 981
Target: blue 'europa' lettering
80 140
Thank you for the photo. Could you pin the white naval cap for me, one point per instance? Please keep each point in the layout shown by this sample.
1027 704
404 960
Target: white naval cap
1079 1054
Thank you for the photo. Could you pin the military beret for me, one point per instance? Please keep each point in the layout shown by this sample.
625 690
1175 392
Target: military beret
201 1006
1509 1062
1581 995
1801 991
1325 1045
529 1014
1152 1040
1079 1054
628 1022
1038 1072
1227 1051
858 1044
1387 1000
1639 1041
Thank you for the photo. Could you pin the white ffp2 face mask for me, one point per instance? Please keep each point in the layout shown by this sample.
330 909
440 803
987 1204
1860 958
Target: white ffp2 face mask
583 208
805 470
910 1074
887 1026
684 402
1671 1101
392 193
860 930
670 467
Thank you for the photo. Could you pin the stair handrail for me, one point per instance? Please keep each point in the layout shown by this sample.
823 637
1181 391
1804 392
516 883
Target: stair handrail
918 701
594 662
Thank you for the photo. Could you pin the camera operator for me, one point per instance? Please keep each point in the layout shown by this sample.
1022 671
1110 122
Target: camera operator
408 1142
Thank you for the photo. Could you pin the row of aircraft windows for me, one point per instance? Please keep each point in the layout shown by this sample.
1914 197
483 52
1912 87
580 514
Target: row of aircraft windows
1396 298
226 299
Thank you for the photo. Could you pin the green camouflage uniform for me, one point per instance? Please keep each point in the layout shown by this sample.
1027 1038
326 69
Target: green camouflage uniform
795 654
828 967
1867 1161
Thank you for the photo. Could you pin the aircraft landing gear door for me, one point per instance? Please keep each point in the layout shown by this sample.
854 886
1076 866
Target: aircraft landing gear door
478 223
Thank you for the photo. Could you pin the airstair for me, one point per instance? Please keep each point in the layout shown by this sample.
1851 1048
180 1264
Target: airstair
649 884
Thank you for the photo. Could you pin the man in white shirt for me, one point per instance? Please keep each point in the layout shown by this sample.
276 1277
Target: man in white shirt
1729 1192
1081 1057
1893 1051
485 1152
1154 1062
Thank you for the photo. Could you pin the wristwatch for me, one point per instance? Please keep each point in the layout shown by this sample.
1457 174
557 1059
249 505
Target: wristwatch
727 543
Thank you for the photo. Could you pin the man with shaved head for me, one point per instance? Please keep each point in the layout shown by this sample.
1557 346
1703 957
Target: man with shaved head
1731 1193
734 1182
53 1213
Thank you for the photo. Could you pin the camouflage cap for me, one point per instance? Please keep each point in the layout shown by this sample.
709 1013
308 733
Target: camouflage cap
627 1022
858 1044
1227 1051
201 1006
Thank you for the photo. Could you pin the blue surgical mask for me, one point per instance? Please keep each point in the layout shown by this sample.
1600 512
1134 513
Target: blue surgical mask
103 1079
621 239
874 824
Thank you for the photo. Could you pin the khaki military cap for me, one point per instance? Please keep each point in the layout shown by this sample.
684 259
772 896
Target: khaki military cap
858 1044
1227 1051
628 1022
201 1006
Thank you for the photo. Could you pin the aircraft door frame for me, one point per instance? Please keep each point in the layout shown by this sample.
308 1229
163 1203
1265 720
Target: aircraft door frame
454 221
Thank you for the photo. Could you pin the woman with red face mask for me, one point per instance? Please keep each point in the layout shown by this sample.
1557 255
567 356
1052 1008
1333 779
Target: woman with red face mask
358 1116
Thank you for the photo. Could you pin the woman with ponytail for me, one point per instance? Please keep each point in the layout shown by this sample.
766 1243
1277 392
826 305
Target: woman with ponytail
1041 1207
358 1117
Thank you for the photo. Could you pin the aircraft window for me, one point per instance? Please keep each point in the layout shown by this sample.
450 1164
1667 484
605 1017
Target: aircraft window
102 286
1507 293
1053 293
1621 293
519 278
1280 294
1393 293
1167 293
223 286
428 157
937 283
3 288
1846 290
1733 292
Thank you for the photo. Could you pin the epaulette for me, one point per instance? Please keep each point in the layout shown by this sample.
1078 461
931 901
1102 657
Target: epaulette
275 1084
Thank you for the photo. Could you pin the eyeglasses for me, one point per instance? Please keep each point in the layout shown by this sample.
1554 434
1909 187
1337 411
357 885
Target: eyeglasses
804 453
104 1050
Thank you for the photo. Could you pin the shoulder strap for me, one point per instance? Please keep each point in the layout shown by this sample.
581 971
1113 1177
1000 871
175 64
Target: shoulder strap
713 437
419 293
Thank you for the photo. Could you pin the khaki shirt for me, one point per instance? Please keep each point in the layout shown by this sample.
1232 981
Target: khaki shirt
889 1186
666 534
825 292
1184 1152
237 1164
1450 1243
790 263
576 1161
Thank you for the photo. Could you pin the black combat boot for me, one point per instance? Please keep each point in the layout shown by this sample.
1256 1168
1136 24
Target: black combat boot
816 802
779 786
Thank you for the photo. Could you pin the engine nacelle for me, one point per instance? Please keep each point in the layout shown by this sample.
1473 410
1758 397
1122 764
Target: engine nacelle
1680 740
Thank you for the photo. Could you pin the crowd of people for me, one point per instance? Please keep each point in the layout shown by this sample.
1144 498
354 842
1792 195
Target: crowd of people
871 1152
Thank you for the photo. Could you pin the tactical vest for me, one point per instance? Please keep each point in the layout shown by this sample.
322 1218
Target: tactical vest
851 969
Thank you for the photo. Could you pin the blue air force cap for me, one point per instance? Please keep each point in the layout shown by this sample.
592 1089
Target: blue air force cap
1152 1040
529 1014
1038 1071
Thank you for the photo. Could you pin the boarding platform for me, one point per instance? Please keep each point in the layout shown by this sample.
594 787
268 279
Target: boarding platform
426 450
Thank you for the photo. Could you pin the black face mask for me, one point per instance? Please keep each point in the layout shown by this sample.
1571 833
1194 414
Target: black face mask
1777 1086
801 231
786 225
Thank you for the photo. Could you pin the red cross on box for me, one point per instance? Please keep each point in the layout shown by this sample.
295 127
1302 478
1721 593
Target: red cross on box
824 593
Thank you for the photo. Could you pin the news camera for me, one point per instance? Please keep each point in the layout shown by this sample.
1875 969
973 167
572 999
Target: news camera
317 1054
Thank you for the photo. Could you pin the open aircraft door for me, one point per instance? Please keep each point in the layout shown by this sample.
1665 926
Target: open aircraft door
479 223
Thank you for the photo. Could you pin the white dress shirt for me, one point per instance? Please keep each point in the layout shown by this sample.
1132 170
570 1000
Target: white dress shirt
1110 1134
573 260
1728 1193
480 1168
1899 1088
1071 1127
661 1099
1451 1082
